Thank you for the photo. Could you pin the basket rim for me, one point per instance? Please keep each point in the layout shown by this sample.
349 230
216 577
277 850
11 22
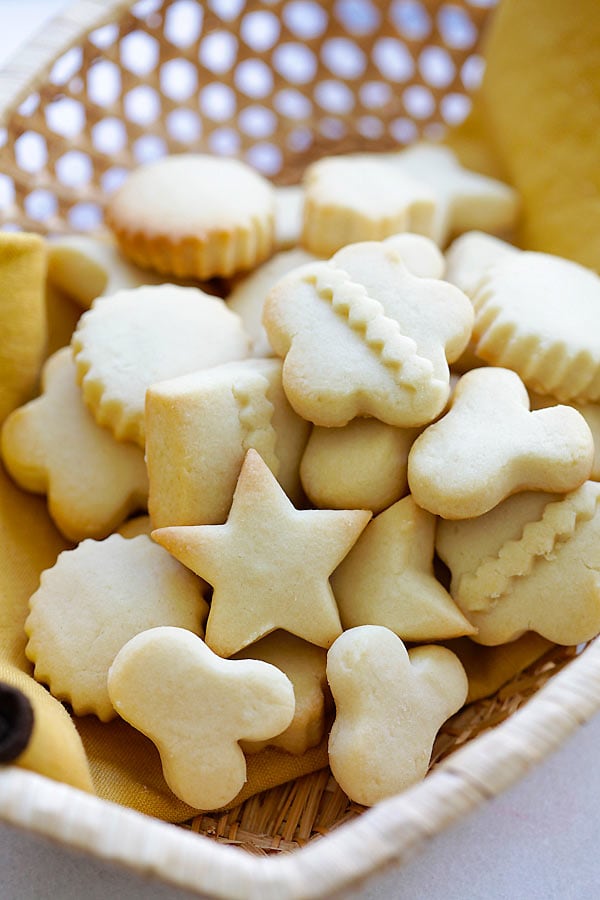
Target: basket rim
387 834
26 69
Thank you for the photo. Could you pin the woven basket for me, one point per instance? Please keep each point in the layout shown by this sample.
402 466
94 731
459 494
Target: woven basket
111 84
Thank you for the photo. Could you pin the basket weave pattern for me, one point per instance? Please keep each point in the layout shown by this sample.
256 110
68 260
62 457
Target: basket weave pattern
277 84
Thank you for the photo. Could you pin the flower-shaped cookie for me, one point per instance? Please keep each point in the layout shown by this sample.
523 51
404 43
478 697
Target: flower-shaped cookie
195 707
388 579
269 563
509 448
532 563
390 705
92 601
198 429
361 197
362 335
540 316
132 339
53 445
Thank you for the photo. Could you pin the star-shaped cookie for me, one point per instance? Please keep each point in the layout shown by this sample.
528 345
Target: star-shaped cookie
269 564
464 200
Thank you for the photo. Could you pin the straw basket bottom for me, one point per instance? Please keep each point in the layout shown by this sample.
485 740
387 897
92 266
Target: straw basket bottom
287 817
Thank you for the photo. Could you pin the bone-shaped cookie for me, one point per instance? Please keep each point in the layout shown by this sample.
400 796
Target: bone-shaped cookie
388 579
489 445
195 707
53 445
362 335
390 705
532 563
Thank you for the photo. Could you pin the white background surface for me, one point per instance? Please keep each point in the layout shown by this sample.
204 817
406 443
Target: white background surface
540 840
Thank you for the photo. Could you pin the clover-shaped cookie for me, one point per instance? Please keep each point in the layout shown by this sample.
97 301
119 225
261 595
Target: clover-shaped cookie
269 563
388 579
198 430
53 446
532 563
92 601
489 445
390 704
195 707
362 335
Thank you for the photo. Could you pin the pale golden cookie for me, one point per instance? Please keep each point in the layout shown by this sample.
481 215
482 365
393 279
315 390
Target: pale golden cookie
249 294
362 335
470 256
467 260
390 705
388 579
194 216
269 564
304 664
22 317
464 200
591 414
361 465
92 602
361 198
133 339
53 446
85 267
289 211
540 316
199 428
509 448
195 707
532 563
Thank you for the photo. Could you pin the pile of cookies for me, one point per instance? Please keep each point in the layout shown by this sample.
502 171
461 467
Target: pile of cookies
267 372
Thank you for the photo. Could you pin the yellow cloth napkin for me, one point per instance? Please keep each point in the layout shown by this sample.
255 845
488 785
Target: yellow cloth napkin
536 121
22 317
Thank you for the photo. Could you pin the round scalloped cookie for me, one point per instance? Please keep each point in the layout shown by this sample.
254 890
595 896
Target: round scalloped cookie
194 216
133 339
93 601
540 316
